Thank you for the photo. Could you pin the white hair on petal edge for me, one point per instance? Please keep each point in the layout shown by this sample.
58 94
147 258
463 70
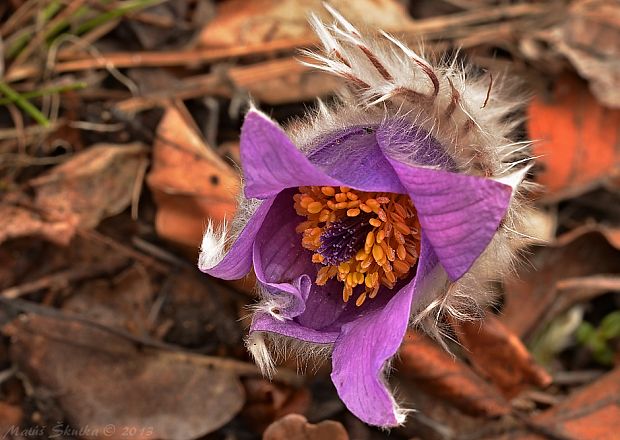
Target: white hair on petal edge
269 348
400 413
257 347
272 305
212 248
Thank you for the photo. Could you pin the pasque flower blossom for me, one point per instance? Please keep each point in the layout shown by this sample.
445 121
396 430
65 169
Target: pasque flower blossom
394 205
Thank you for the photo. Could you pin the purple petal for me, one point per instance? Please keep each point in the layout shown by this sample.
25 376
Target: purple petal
271 162
266 323
238 260
365 345
458 213
353 157
398 140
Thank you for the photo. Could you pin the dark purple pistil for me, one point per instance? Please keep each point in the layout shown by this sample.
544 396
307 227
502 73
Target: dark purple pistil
344 238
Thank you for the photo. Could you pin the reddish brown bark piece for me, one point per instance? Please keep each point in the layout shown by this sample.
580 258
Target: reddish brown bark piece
498 353
440 374
296 427
190 182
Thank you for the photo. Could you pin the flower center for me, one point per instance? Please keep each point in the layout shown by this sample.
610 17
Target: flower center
363 239
343 238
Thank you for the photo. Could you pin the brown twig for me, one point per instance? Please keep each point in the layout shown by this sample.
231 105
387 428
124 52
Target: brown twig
63 278
144 259
196 57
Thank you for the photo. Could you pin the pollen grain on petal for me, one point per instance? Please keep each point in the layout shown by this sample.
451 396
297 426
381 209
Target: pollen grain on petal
364 240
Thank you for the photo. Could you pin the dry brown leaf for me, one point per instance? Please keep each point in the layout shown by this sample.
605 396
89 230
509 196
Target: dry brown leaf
592 413
268 401
440 374
201 315
94 184
16 221
529 295
296 427
282 81
190 182
590 39
123 302
576 140
239 22
10 418
100 379
90 186
499 354
611 234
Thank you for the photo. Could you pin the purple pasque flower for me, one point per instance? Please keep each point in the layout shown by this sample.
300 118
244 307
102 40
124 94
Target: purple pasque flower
403 195
459 215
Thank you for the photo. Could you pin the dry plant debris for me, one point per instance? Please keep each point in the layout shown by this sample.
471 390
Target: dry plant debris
119 130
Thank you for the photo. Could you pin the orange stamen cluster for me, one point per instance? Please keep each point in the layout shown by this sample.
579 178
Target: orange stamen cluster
386 254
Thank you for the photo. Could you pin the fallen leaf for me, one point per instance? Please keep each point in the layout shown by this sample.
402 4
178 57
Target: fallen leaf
577 140
239 22
101 379
611 234
10 419
17 221
282 81
440 374
433 418
296 427
190 182
202 314
94 184
590 39
591 413
533 291
497 353
268 401
123 302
